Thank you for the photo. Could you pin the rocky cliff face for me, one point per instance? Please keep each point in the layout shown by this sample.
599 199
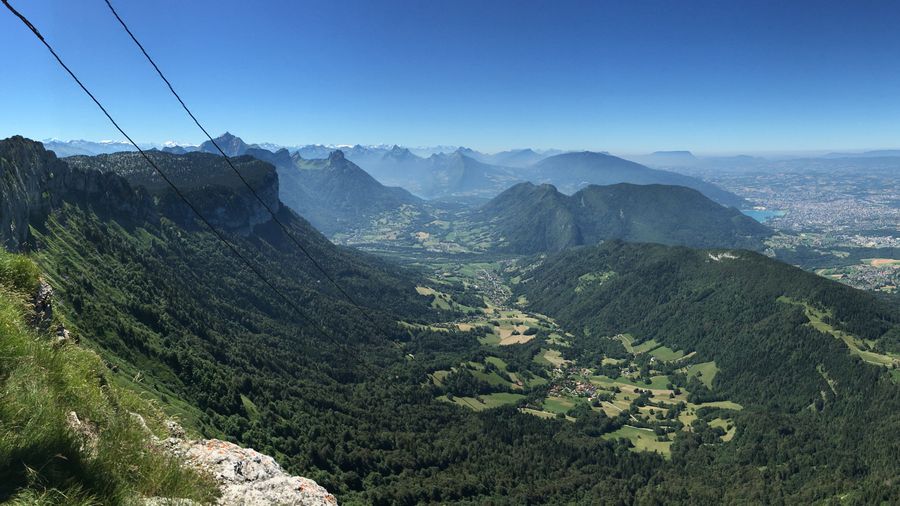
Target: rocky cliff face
33 182
205 179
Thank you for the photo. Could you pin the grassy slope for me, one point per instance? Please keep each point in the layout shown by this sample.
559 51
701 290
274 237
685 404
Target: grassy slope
42 461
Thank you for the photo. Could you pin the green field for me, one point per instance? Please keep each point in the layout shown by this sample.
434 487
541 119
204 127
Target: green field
645 346
721 405
626 340
658 382
642 439
497 361
552 358
559 404
666 354
485 401
705 372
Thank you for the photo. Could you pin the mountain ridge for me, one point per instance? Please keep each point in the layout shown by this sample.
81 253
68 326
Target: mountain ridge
571 171
538 218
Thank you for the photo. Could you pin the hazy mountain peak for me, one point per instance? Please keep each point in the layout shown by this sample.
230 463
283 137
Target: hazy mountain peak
398 153
231 144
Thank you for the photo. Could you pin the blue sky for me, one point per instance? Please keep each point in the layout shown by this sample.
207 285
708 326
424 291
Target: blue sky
624 76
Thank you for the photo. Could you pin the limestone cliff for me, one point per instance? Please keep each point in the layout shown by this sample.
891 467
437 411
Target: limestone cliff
34 182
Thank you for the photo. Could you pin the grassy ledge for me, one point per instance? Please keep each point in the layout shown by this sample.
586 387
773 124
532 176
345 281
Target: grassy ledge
43 458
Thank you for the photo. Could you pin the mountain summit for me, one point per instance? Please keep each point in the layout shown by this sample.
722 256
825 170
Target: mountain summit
572 171
533 219
230 144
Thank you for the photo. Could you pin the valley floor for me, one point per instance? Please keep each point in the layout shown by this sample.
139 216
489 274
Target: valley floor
634 391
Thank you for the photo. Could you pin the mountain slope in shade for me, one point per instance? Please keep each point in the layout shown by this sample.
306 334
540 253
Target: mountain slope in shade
572 171
332 193
459 175
531 219
204 178
335 194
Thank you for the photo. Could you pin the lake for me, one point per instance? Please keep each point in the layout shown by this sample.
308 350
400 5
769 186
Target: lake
762 216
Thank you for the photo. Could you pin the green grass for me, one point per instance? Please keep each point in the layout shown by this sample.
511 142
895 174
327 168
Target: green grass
492 339
705 372
591 278
497 361
721 405
486 401
644 440
895 375
658 382
18 273
553 358
645 346
559 404
250 408
492 379
666 354
42 460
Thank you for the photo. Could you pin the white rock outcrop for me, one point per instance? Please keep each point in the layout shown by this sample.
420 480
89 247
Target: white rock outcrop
249 478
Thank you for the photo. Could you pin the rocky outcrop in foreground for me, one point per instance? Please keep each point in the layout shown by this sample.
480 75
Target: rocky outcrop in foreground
247 477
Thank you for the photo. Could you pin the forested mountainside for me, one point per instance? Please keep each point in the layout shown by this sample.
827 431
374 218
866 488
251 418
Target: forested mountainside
532 219
813 362
572 171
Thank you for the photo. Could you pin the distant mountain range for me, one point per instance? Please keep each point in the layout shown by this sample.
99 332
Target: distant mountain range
572 171
666 159
334 194
82 147
463 174
534 219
